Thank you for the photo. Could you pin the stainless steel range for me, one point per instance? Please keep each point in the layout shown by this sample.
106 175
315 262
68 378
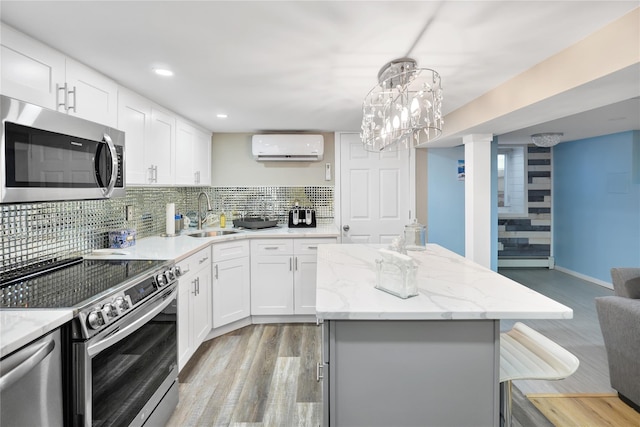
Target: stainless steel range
123 345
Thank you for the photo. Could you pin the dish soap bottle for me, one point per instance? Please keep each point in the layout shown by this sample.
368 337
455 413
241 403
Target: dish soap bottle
223 220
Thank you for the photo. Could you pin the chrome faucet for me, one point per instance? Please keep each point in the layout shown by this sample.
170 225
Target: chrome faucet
200 217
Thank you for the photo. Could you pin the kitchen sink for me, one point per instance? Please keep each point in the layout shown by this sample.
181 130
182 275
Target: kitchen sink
211 233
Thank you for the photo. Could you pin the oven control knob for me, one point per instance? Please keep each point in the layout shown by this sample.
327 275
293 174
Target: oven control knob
121 304
110 310
161 280
171 276
178 271
95 320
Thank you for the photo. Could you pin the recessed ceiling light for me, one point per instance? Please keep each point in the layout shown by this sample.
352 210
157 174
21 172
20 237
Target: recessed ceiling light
221 116
163 72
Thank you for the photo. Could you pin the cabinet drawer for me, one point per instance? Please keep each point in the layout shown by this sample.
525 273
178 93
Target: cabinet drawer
196 261
310 246
230 250
272 247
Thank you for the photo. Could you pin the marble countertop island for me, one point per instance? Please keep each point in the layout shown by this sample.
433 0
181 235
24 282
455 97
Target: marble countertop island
449 286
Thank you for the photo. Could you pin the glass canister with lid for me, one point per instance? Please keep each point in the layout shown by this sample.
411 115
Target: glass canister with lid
415 236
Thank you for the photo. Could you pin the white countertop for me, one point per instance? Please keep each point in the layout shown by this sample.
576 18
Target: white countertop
19 327
450 287
183 245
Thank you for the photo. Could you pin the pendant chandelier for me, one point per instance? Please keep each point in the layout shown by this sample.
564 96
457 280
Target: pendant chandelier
548 139
404 109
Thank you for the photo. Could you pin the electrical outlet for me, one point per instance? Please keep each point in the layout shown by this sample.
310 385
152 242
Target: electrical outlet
128 212
327 171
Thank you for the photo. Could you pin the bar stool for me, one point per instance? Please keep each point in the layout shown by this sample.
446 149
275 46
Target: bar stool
526 354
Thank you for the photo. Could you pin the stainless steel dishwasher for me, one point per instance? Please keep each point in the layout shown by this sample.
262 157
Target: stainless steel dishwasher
31 384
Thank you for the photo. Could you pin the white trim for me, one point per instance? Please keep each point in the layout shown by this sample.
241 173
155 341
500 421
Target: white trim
526 262
295 318
337 181
214 333
585 277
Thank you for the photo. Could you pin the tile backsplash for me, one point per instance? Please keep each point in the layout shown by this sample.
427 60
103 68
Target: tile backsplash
31 233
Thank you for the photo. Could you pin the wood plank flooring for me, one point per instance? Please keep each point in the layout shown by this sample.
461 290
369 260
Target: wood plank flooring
593 410
260 375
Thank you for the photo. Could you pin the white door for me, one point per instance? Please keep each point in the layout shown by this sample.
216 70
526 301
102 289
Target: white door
374 192
201 307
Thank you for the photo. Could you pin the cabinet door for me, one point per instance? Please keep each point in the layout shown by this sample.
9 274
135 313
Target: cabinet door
201 306
29 69
95 96
185 288
202 163
134 118
185 153
271 284
160 148
304 290
231 291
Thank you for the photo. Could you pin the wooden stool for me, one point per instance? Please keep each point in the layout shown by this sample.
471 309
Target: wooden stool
526 354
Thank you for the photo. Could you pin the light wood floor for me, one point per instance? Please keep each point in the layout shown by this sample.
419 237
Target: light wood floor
593 410
260 375
264 375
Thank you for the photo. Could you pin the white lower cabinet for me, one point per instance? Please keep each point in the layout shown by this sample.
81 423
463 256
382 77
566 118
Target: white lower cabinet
231 282
283 275
194 303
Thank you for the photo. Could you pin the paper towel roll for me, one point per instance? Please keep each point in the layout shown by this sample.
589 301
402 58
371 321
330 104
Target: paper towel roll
171 215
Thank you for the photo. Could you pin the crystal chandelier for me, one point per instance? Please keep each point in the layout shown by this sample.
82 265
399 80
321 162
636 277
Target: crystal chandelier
548 139
404 109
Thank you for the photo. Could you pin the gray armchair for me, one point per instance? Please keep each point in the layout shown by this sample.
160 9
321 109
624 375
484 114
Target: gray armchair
619 317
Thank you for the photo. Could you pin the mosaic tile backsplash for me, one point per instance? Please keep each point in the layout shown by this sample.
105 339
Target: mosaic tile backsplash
32 233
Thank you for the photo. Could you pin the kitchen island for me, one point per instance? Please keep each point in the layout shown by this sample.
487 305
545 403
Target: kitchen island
429 360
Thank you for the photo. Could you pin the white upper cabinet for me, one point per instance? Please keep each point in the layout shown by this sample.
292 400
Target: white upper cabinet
193 156
30 70
161 147
134 118
36 73
95 97
149 140
202 162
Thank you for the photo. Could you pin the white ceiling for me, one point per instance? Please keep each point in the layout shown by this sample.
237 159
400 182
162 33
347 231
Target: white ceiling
306 65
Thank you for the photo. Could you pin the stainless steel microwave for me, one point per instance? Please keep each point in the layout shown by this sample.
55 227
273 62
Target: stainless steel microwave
48 155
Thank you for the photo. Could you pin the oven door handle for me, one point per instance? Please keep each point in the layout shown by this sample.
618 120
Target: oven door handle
149 314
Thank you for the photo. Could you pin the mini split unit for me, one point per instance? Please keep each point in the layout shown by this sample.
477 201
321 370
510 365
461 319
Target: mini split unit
287 147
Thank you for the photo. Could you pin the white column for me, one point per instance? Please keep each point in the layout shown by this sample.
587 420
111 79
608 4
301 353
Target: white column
477 197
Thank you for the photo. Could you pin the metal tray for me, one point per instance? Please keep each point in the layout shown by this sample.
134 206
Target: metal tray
254 223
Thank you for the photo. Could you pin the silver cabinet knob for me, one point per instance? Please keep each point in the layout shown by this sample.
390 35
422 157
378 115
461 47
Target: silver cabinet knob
345 228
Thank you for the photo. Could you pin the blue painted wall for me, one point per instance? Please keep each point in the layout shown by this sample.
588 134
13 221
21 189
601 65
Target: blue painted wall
445 199
596 197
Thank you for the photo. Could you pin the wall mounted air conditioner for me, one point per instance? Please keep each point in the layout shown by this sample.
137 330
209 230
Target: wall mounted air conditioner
287 147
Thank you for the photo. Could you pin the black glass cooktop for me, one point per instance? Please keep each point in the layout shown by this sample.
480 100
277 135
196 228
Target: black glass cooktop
70 285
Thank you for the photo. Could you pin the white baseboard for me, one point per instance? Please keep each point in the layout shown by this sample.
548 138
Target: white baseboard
258 320
527 262
310 318
585 277
217 332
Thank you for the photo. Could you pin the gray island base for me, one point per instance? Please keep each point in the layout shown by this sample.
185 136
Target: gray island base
429 360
